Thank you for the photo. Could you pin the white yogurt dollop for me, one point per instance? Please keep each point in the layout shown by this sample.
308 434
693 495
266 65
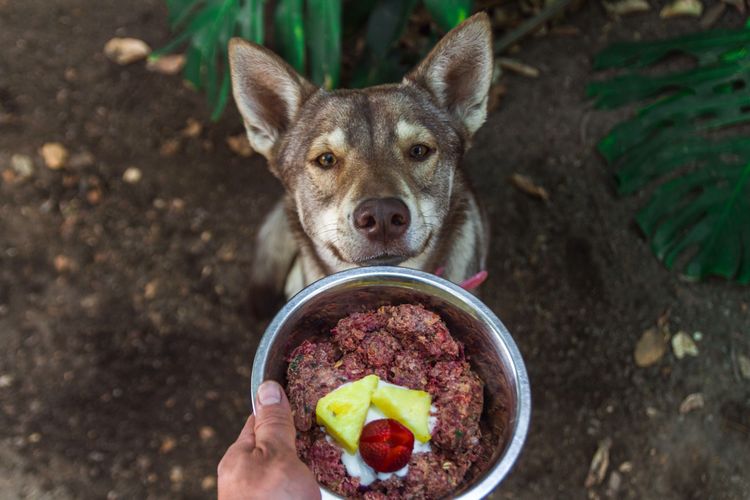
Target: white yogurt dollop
356 466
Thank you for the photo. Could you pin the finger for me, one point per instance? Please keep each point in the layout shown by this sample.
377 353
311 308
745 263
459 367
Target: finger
247 434
274 426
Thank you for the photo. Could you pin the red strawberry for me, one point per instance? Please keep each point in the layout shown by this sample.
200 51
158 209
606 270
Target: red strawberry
386 445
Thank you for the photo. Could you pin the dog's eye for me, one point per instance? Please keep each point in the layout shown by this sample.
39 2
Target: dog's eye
419 152
326 160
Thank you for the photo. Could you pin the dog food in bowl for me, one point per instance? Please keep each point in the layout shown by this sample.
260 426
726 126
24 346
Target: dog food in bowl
397 373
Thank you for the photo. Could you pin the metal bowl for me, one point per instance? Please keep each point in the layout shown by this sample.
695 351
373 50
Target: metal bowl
491 350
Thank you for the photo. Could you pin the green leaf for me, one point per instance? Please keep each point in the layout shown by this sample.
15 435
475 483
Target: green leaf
687 140
290 32
324 40
448 13
386 24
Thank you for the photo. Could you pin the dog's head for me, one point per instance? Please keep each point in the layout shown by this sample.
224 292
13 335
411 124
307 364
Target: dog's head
371 171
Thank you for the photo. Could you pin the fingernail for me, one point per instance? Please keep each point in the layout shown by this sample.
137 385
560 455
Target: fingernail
269 393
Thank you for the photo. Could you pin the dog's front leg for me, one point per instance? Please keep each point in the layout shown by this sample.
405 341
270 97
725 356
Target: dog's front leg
275 252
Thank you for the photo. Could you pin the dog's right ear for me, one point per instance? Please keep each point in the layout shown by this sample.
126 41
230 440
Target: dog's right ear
268 92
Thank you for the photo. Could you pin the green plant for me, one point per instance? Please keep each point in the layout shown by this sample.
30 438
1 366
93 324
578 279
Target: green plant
693 137
307 33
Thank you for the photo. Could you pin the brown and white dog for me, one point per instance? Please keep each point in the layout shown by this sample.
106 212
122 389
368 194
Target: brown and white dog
372 176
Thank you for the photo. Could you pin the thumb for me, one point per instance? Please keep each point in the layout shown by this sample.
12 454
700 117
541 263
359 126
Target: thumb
274 425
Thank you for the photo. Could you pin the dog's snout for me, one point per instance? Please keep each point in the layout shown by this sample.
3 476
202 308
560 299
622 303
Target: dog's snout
383 219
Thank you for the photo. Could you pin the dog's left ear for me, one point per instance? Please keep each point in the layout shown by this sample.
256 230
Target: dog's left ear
458 71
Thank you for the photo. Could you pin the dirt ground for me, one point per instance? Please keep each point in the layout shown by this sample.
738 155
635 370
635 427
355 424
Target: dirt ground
126 343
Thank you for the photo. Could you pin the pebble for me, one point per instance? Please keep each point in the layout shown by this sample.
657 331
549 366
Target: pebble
126 50
651 347
167 65
599 464
132 175
167 444
6 380
207 433
208 483
176 474
149 291
54 154
193 128
23 165
683 345
34 437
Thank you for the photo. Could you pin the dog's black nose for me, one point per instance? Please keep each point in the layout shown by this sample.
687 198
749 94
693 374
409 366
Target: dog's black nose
382 219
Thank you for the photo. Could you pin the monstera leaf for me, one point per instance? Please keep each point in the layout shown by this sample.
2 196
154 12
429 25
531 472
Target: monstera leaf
690 140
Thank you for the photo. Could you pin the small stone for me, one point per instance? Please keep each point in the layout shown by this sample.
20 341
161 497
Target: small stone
176 474
240 146
94 196
626 467
682 8
126 50
63 263
167 444
692 402
34 438
651 347
177 204
683 345
652 412
23 165
149 291
193 128
614 483
54 154
167 65
5 380
697 336
208 483
132 175
744 365
170 147
227 253
207 433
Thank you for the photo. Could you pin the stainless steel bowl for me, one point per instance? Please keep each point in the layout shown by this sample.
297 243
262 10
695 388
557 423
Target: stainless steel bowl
492 352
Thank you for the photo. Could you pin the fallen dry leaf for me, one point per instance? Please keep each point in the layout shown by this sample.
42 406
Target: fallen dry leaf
54 154
240 145
692 402
167 65
517 67
625 7
682 8
526 185
683 345
193 128
651 347
126 50
599 464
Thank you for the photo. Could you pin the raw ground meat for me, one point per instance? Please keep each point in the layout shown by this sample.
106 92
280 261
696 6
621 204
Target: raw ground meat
405 345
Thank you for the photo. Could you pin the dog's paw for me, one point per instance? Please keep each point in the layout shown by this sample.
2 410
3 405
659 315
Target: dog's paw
263 301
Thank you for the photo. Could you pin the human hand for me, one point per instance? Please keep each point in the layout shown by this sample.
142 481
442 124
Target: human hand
263 462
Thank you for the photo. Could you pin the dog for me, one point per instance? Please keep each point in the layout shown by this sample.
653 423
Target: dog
371 176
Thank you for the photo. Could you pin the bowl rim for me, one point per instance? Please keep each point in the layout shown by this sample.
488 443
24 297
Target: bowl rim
491 478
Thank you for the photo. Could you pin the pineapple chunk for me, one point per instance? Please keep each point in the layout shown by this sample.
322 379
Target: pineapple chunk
410 407
343 411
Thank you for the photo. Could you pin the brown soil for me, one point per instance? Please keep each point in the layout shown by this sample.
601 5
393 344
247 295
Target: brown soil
127 348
